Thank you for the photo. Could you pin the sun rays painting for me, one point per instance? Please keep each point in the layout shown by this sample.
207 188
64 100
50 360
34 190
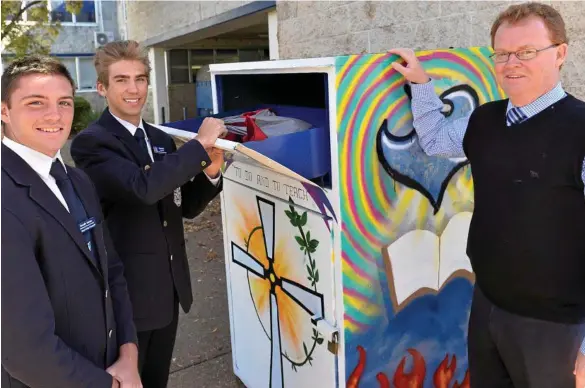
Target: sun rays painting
280 282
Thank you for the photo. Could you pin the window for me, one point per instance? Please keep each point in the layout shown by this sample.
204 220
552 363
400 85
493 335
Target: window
185 64
226 56
251 55
85 15
179 64
200 58
87 75
69 63
82 71
58 12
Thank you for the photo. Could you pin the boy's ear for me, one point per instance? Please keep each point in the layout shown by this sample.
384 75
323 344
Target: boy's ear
101 89
4 111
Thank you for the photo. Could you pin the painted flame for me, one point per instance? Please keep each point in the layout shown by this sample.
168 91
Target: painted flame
445 372
416 377
354 379
465 383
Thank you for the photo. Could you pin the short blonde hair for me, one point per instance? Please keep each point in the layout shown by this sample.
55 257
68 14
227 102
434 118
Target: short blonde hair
551 17
116 51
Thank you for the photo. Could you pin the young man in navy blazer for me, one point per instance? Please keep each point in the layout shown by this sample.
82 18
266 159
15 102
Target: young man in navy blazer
66 315
147 187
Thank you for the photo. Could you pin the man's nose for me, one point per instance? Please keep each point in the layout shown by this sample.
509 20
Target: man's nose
53 113
132 87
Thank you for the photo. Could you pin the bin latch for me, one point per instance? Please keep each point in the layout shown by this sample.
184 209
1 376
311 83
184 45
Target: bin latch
327 330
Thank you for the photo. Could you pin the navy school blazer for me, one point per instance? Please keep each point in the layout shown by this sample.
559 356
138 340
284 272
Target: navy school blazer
144 204
63 317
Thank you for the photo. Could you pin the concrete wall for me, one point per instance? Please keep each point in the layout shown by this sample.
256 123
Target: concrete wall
329 28
74 39
143 24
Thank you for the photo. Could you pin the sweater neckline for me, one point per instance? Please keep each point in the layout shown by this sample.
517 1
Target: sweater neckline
540 115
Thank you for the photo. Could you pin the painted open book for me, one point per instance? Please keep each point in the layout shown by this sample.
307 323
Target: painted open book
420 262
235 150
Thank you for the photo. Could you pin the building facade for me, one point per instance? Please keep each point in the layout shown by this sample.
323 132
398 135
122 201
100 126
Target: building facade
80 35
327 28
194 34
244 30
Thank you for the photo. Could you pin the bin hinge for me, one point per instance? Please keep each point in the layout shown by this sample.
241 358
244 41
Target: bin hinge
329 332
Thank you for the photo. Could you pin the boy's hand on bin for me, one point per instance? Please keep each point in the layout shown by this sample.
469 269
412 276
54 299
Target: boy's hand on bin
209 131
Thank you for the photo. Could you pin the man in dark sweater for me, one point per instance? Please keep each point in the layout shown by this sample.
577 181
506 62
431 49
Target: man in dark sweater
527 236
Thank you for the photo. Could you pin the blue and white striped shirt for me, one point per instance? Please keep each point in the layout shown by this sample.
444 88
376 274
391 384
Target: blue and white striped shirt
443 137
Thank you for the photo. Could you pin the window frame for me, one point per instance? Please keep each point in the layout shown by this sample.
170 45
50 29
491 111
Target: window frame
78 73
60 57
214 51
74 22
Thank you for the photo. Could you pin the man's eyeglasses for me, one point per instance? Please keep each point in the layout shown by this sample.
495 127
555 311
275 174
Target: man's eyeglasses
523 55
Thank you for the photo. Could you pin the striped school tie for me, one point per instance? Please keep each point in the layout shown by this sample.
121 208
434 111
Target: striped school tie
515 116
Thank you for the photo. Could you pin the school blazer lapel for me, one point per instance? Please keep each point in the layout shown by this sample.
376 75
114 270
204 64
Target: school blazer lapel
40 193
110 123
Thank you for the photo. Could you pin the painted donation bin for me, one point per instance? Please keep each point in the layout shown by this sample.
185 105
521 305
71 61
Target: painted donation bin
345 244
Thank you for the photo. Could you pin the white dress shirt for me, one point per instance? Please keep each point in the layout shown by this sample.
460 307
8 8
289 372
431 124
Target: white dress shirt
132 129
39 162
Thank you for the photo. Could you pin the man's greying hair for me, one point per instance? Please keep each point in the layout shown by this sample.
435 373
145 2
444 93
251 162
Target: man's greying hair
551 17
113 52
32 64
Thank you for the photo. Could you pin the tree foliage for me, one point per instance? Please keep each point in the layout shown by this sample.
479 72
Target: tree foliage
35 35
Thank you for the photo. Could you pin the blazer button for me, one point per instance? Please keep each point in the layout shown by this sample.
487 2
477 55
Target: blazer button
146 168
110 333
203 163
171 257
106 294
165 224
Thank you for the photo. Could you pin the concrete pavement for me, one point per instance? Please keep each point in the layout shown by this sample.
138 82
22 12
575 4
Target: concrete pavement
202 355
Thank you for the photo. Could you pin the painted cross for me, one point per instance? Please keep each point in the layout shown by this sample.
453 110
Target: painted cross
306 298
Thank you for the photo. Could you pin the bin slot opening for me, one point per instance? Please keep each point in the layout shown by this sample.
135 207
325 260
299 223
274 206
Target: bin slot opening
304 149
236 91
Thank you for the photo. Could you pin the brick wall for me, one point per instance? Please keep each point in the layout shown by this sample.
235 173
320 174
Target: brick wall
329 28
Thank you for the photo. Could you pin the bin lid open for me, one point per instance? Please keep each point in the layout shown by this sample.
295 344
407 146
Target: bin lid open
230 147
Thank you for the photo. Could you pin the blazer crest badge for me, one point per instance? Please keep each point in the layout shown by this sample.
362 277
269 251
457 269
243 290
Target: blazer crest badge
177 196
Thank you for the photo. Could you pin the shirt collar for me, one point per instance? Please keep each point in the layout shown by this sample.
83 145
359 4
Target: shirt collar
129 126
38 161
542 102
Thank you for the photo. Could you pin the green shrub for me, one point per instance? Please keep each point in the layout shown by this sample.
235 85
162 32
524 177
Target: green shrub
83 115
